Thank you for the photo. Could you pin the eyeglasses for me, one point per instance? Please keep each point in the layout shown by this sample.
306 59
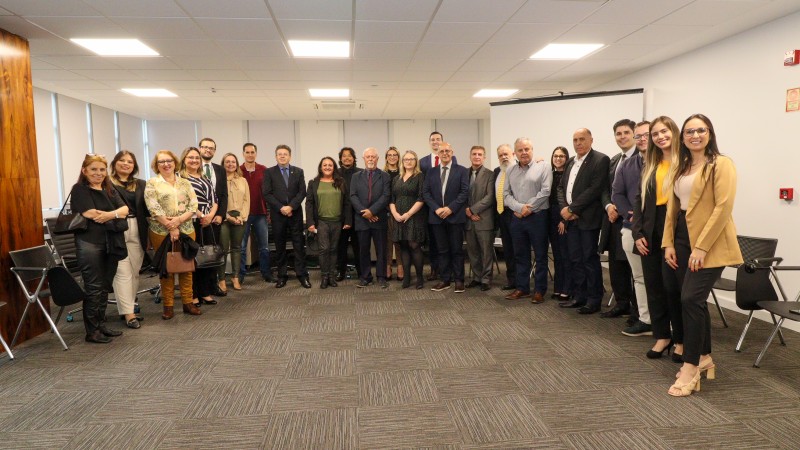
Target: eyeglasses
164 162
691 131
207 147
639 136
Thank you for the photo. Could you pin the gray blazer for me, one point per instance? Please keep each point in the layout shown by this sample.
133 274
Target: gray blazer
481 199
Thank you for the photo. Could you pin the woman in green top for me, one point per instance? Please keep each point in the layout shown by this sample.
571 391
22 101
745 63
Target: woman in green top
328 212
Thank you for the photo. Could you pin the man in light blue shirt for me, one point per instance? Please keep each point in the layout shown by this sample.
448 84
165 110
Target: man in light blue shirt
526 193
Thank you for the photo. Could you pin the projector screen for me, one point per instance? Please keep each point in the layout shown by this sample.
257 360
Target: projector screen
550 121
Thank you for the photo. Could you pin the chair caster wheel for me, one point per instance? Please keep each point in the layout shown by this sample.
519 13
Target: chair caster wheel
70 318
136 309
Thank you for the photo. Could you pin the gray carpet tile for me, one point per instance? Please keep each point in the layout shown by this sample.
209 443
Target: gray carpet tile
586 411
20 380
379 308
91 377
648 404
274 344
278 312
146 405
515 351
312 429
418 425
430 335
57 409
749 399
381 359
781 431
137 435
483 381
316 393
321 342
483 303
478 316
537 443
436 318
510 330
715 436
547 376
583 348
10 403
605 372
248 368
236 432
616 439
174 371
493 419
232 399
397 320
214 329
328 323
397 388
271 327
341 296
322 364
458 355
14 440
344 309
386 338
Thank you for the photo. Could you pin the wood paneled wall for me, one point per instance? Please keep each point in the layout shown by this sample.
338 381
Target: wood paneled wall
20 199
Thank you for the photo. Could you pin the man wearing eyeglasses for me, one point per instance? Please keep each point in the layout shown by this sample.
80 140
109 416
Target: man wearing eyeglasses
216 174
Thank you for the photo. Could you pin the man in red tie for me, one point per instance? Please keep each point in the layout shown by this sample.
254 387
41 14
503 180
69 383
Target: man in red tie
432 161
369 195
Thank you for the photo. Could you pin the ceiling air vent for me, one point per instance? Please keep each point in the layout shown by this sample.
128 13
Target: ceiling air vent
338 105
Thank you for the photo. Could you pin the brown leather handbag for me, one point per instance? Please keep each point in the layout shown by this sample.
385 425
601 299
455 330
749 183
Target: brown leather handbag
176 263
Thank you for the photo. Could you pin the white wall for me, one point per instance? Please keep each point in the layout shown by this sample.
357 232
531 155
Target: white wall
49 164
740 83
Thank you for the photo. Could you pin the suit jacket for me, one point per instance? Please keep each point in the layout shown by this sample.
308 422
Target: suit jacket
456 193
587 191
709 215
278 195
481 199
360 198
312 205
221 188
425 163
607 227
138 209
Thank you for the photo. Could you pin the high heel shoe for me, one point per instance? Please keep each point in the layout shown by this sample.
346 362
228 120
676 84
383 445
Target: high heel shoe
420 282
685 390
236 285
652 354
677 357
406 282
210 301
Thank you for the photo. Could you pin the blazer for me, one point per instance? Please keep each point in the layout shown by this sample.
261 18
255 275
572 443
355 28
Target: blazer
425 163
607 227
221 188
709 215
138 209
456 193
359 198
644 216
587 191
312 205
277 194
626 187
481 199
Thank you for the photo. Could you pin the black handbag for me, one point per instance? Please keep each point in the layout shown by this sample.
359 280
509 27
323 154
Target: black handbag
209 256
68 221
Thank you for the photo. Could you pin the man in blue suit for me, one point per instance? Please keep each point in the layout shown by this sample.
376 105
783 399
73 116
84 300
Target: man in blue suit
425 163
369 195
445 191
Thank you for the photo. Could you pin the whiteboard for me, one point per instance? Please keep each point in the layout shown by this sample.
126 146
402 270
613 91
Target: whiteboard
551 121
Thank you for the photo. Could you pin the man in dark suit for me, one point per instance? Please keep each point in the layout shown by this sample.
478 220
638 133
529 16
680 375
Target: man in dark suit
480 220
619 270
218 177
505 156
284 190
369 195
579 196
446 191
426 162
347 167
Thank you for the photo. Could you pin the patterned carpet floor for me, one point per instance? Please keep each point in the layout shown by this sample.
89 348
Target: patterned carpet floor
372 368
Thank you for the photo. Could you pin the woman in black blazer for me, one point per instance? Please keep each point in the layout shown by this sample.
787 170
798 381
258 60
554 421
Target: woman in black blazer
124 169
328 212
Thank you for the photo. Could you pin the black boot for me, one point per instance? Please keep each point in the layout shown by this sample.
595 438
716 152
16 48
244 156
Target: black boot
325 282
332 282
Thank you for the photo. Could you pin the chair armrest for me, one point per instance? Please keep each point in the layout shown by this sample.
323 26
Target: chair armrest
29 269
767 261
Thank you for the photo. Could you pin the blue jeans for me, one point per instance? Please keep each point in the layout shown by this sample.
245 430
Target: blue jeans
530 232
259 223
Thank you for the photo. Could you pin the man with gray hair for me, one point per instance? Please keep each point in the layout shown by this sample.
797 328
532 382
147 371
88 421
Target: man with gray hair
527 193
505 156
369 195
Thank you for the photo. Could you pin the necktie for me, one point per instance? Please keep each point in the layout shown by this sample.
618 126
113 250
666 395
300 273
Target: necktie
208 171
436 163
472 177
619 164
499 191
369 182
444 177
285 173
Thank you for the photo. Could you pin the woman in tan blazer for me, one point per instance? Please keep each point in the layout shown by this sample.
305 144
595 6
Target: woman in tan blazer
699 234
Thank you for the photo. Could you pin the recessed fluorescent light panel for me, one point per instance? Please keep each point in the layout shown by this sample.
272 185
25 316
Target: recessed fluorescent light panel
320 49
149 92
496 93
116 47
566 51
329 93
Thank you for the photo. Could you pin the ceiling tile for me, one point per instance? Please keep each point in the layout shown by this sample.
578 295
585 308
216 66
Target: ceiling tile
533 33
81 27
476 76
426 75
476 11
594 33
242 29
149 74
481 64
213 61
81 62
51 75
385 31
5 12
619 12
375 75
158 28
138 8
459 52
82 84
258 63
520 50
272 75
659 34
56 47
40 8
406 10
380 64
332 76
146 63
556 11
519 76
210 75
37 65
328 10
252 9
327 30
323 64
273 49
108 74
22 27
461 32
620 51
384 50
709 13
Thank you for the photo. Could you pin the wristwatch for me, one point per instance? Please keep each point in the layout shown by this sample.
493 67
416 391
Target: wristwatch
569 210
116 215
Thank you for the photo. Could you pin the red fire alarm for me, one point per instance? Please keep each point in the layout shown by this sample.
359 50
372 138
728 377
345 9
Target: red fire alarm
787 194
791 58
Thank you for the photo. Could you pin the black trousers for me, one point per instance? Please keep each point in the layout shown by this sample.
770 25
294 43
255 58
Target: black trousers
587 274
663 285
558 242
433 249
504 220
97 270
348 236
203 280
377 237
619 271
695 289
328 235
284 228
450 241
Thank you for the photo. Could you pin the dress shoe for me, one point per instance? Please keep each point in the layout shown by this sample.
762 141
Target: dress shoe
507 287
363 283
616 311
652 354
98 337
133 323
516 295
571 304
459 287
340 276
209 301
537 298
406 282
325 282
268 278
235 283
586 309
281 283
332 282
433 276
305 283
473 283
383 284
420 282
168 313
441 286
485 287
192 310
109 332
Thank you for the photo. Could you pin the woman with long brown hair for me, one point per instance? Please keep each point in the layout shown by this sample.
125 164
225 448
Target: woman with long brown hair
392 166
232 229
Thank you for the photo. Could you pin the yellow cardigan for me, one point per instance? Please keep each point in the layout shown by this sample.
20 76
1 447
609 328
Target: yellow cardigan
709 216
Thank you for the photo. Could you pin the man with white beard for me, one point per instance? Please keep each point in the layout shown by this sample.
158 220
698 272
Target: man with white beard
505 155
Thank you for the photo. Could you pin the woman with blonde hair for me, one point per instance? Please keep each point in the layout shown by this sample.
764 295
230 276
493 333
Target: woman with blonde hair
410 226
172 204
392 167
232 229
699 235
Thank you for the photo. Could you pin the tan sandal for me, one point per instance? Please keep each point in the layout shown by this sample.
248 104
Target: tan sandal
685 390
236 285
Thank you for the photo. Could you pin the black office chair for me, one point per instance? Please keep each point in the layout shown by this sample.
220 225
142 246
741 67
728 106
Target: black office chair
751 287
3 341
752 248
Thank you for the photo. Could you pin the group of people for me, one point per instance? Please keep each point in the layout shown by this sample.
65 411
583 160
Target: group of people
659 207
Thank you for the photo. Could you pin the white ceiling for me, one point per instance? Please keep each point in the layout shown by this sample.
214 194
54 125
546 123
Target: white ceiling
411 58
